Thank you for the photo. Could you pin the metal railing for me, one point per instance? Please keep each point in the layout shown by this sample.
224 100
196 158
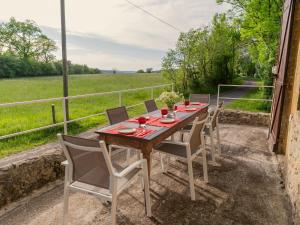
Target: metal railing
241 98
63 99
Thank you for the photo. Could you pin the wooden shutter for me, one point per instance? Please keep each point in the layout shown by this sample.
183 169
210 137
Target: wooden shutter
282 63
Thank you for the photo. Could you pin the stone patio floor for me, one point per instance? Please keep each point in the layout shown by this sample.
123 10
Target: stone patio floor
245 188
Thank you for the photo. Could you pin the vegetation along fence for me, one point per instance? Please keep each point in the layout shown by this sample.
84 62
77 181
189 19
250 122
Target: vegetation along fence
65 122
251 97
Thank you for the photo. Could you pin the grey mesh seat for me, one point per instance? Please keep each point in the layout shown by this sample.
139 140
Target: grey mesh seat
188 151
88 168
150 105
203 98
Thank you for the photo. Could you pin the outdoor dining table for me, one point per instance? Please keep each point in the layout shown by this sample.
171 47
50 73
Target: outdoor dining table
159 132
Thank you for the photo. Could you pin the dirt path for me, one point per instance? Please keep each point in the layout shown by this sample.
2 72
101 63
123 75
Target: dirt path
237 92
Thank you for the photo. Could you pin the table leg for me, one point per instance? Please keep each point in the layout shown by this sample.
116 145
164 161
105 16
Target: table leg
147 154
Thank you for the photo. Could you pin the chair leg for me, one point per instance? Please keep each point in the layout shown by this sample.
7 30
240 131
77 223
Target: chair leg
147 190
204 162
164 167
218 139
211 134
181 136
114 209
66 205
162 162
127 155
66 195
191 180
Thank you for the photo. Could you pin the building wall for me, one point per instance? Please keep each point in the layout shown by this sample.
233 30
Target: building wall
293 164
291 89
290 136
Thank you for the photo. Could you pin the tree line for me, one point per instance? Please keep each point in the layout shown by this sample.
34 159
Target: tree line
239 43
26 51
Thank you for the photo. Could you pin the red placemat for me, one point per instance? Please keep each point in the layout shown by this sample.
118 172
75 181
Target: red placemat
150 120
158 123
198 103
140 132
182 108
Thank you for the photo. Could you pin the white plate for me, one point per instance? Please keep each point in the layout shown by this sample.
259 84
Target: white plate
126 130
167 120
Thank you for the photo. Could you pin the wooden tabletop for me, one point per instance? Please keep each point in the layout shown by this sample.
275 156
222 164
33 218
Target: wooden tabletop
184 117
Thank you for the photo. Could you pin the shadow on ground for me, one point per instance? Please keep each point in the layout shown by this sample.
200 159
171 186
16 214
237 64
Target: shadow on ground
244 189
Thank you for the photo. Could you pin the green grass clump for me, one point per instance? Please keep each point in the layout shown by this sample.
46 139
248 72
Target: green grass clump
25 117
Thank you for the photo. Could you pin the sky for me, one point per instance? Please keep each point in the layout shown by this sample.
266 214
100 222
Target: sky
112 33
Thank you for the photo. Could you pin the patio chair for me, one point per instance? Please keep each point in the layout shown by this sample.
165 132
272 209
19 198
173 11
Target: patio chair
203 98
212 128
89 169
117 115
150 105
207 132
188 151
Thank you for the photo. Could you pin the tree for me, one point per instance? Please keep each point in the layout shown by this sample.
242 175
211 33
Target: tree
25 40
259 22
149 70
45 48
204 57
140 71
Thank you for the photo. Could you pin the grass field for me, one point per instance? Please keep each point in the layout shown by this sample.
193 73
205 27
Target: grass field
252 106
24 117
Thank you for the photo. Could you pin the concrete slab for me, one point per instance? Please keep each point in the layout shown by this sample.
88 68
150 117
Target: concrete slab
244 189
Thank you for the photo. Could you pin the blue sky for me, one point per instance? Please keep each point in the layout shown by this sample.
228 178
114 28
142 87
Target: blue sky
112 33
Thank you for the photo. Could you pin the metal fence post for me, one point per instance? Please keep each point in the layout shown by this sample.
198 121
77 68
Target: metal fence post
65 116
218 95
53 113
120 98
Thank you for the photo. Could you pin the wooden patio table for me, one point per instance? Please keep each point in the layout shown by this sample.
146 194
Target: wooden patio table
146 144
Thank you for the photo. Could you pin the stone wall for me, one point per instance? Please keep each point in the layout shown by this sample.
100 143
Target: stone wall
244 118
292 162
22 173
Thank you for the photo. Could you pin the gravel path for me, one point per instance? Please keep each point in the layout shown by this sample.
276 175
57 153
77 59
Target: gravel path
244 189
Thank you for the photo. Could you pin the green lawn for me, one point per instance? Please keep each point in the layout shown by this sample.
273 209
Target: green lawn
24 117
252 106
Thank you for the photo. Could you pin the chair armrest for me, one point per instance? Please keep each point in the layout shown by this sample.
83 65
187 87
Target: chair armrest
129 168
65 163
176 143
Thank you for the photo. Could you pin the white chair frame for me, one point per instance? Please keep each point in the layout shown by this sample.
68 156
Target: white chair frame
214 133
190 157
110 194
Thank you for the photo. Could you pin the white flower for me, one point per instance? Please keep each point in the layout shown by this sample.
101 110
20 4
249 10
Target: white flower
169 98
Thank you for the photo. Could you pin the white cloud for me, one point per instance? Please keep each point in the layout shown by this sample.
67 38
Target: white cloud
119 22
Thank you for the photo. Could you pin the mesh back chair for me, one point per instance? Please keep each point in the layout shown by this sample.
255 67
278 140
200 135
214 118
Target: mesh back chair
88 168
212 128
150 105
117 115
203 98
188 151
187 129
